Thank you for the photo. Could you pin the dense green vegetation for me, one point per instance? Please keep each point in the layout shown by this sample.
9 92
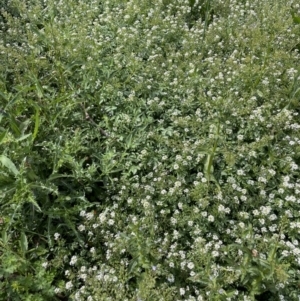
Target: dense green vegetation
149 150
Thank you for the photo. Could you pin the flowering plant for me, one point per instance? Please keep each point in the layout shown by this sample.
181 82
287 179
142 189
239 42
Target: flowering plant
149 151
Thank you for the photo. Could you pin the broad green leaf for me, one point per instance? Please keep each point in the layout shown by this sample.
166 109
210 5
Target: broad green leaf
9 164
132 265
4 236
272 253
23 243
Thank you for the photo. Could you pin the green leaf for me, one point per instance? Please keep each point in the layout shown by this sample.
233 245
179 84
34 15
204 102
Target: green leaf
2 136
23 243
259 93
132 265
208 168
16 97
199 279
58 176
33 201
3 96
23 137
9 164
4 236
37 123
296 18
14 126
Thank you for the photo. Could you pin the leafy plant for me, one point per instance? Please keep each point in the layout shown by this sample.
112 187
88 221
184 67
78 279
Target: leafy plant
149 151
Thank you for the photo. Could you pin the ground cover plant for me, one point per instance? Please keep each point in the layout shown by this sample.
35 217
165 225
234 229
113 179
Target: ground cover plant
149 150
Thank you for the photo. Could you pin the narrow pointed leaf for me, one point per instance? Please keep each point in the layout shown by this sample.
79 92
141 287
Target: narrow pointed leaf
37 123
2 136
23 137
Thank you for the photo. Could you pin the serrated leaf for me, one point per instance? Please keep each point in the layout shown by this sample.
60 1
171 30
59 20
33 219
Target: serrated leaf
32 201
9 164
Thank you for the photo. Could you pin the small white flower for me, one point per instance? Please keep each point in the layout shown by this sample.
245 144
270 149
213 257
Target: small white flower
177 184
89 215
111 222
171 278
83 276
45 264
69 285
211 218
82 213
73 260
182 291
240 172
173 221
56 236
81 228
204 214
221 208
262 179
190 223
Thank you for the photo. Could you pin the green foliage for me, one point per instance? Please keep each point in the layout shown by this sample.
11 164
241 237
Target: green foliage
149 151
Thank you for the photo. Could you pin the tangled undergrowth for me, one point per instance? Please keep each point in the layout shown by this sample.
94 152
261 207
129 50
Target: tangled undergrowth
149 150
